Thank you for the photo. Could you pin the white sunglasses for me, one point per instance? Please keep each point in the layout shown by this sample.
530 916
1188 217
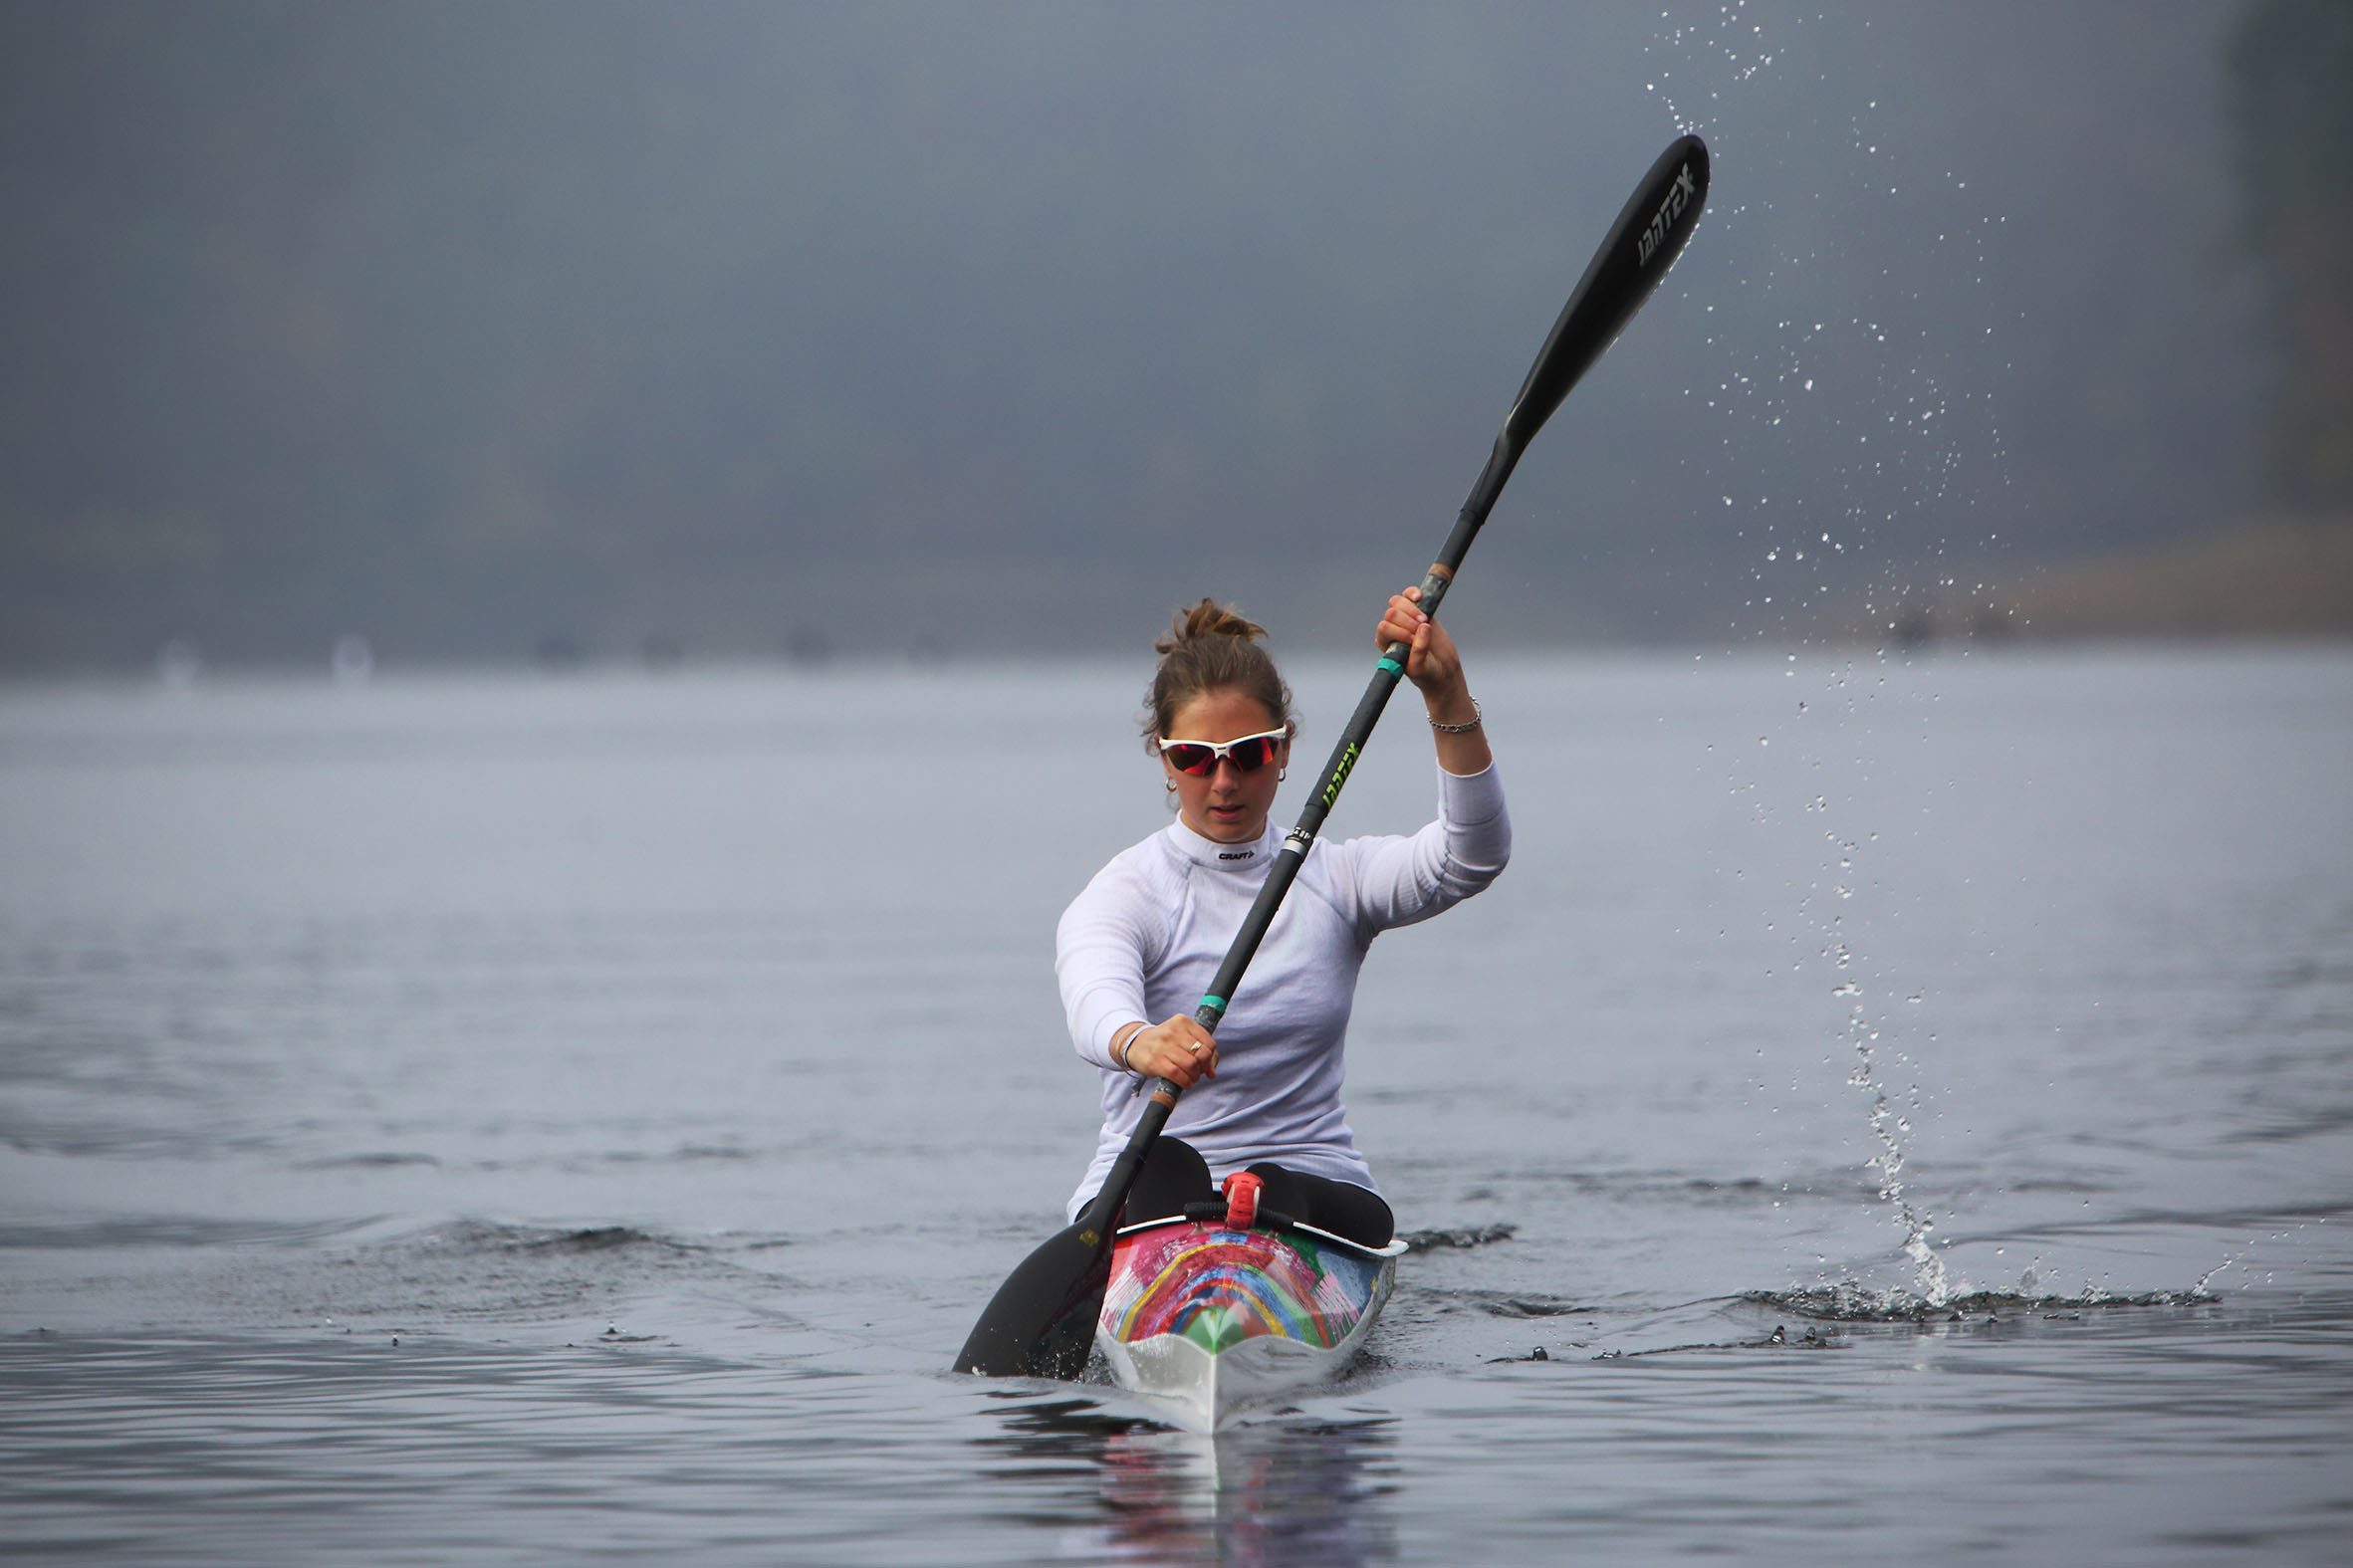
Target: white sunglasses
1248 752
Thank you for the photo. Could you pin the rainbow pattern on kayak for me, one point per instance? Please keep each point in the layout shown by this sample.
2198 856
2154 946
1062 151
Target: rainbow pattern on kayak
1219 1286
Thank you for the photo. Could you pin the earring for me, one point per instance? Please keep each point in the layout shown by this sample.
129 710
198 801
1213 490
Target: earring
1282 773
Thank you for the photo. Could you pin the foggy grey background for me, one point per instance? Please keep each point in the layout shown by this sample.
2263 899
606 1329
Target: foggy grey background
501 331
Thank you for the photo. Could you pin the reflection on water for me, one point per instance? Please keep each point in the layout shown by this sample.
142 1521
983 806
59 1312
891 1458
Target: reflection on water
1278 1491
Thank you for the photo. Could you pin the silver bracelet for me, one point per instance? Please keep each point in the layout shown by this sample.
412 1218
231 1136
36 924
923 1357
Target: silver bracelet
1478 717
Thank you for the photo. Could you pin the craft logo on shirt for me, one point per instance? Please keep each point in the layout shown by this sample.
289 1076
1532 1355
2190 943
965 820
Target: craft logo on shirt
1236 854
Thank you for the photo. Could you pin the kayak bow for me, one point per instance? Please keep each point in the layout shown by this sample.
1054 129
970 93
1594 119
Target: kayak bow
1208 1318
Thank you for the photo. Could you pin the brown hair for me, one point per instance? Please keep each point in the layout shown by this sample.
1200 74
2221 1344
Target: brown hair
1211 648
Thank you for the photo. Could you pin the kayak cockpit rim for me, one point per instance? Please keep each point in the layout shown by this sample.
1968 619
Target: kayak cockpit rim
1395 1247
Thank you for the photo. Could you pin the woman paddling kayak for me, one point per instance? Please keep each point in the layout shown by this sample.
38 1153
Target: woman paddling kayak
1146 937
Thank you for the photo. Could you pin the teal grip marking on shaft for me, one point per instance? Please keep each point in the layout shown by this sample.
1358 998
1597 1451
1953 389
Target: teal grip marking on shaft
1392 665
1217 1003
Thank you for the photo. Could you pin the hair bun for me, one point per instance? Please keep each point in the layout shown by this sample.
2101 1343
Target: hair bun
1208 618
1211 648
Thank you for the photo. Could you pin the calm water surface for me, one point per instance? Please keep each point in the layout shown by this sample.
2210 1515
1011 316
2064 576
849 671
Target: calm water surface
1911 1106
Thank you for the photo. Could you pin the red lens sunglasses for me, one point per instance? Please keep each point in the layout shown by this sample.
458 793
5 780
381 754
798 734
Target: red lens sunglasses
1248 752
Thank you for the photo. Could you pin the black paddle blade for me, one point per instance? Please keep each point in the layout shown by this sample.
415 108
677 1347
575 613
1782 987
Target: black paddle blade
1040 1324
1641 246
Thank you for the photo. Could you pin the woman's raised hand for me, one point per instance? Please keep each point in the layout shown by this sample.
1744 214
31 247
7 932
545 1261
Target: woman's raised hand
1180 1050
1434 666
1432 663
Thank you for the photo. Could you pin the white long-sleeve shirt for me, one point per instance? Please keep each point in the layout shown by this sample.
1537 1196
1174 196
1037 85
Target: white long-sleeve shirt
1145 938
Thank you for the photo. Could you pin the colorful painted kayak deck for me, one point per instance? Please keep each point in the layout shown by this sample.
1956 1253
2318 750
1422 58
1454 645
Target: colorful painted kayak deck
1210 1319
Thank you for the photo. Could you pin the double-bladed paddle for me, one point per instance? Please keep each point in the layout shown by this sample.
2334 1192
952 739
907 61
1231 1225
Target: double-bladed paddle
1041 1321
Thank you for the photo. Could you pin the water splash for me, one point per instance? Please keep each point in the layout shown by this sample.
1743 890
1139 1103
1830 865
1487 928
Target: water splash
1714 52
1902 408
1849 1301
2238 1255
1889 1127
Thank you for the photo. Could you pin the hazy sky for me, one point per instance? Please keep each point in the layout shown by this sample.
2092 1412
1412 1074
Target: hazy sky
480 328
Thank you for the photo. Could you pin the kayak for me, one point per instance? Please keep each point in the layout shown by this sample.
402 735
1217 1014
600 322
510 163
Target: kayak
1209 1317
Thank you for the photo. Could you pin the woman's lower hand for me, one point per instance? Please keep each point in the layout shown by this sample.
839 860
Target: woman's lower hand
1180 1050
